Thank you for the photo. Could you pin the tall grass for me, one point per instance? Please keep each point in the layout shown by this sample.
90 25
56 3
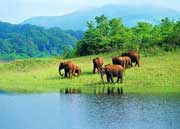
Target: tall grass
157 74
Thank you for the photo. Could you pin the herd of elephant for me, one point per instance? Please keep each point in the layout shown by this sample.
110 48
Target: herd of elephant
116 69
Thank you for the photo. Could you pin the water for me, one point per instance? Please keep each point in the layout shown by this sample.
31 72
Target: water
57 111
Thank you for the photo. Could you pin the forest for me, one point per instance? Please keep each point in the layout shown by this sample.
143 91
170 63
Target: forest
107 35
23 41
102 35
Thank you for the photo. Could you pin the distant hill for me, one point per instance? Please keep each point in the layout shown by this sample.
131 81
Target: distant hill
22 41
130 15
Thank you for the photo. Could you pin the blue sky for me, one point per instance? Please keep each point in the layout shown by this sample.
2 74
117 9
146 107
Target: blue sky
15 11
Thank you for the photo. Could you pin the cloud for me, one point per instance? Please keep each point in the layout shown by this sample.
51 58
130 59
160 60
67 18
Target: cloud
18 10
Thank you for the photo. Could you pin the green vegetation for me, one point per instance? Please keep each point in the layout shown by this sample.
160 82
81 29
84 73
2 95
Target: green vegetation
157 74
158 44
105 35
102 35
23 41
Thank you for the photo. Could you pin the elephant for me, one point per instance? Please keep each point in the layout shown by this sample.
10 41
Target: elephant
127 62
119 61
69 68
134 55
111 71
77 70
97 64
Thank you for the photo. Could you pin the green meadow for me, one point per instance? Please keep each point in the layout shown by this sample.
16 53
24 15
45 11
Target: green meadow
157 74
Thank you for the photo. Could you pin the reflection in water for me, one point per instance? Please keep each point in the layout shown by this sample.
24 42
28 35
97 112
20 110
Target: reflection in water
55 111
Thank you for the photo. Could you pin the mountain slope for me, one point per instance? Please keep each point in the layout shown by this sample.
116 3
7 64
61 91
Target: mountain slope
22 41
130 15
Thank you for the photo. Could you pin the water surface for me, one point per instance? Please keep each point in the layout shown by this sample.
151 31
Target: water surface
58 111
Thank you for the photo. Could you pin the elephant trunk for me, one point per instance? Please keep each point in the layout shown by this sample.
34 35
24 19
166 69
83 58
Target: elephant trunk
60 72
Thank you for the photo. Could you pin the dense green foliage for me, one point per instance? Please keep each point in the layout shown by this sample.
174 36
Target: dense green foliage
22 41
105 35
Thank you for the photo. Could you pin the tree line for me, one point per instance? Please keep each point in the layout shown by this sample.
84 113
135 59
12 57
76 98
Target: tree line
105 35
102 35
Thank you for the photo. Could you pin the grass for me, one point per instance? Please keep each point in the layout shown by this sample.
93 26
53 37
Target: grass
157 74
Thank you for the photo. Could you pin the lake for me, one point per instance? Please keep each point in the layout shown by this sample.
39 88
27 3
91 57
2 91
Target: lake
78 111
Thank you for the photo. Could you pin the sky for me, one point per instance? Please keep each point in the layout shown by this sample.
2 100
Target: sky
16 11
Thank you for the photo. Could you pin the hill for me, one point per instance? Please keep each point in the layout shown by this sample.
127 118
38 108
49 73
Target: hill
130 15
22 41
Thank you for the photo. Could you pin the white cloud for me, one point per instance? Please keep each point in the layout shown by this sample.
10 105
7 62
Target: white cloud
18 10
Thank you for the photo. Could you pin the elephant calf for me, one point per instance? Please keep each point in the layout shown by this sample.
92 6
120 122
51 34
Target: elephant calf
112 71
134 55
127 62
119 61
78 70
97 64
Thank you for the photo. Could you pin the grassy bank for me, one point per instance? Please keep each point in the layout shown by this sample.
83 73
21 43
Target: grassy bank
157 74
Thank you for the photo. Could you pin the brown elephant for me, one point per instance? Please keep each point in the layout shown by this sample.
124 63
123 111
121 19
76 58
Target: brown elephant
69 68
127 61
119 61
111 71
77 70
134 55
97 64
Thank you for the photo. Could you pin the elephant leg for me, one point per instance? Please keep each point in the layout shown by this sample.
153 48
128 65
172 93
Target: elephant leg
66 73
70 74
129 64
108 78
118 79
136 63
121 78
111 76
112 79
98 69
94 69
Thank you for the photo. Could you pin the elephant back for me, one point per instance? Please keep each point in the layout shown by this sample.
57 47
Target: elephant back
98 61
134 55
119 60
113 68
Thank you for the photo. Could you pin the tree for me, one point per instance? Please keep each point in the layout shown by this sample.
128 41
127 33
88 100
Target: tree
104 35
